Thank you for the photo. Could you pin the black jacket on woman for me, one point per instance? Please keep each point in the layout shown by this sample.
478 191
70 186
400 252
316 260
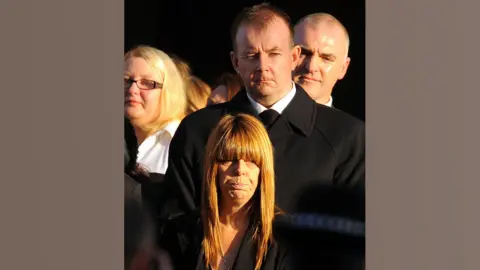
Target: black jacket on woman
183 236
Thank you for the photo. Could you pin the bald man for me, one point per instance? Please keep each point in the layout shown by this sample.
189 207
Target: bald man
324 57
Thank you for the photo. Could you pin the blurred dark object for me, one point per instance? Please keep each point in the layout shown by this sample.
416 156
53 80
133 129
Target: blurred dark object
138 232
141 252
134 174
328 231
130 147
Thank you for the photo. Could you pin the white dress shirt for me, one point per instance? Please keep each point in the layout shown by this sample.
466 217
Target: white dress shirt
279 106
330 102
153 152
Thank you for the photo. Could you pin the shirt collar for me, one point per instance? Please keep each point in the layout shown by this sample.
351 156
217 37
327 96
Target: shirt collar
169 129
279 106
330 102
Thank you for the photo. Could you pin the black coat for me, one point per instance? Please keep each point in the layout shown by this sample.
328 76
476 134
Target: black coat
147 188
315 146
182 239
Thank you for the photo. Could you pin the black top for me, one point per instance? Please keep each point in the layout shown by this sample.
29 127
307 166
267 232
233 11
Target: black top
315 146
131 186
154 193
182 239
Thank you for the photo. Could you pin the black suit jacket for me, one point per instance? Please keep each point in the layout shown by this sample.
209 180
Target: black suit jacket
314 145
182 239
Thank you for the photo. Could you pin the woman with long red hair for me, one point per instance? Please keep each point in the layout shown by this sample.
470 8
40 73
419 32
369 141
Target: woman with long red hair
234 227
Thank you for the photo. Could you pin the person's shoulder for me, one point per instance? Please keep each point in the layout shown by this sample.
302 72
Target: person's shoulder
187 219
327 116
199 123
206 113
282 242
280 224
336 125
132 187
184 224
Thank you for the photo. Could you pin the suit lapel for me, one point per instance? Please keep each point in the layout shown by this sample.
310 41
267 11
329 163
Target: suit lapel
240 104
246 257
296 120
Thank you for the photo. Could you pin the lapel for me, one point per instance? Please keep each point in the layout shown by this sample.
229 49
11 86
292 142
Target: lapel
191 242
297 119
246 257
240 104
301 112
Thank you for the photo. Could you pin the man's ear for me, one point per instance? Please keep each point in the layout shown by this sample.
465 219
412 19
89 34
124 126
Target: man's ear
296 50
344 69
234 59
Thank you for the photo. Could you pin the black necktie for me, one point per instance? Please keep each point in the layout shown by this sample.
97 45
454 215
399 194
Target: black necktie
268 117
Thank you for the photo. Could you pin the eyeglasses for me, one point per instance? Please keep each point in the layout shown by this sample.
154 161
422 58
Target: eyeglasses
143 84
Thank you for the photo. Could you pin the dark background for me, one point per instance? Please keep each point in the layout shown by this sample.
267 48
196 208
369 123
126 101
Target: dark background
199 32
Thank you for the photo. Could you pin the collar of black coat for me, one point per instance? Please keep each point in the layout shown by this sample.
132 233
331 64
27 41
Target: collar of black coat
300 112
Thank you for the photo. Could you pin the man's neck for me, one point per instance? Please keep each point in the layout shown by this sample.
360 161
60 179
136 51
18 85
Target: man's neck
325 100
266 102
279 104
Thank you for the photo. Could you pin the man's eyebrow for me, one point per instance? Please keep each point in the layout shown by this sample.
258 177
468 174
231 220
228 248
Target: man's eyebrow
249 50
276 48
329 55
305 49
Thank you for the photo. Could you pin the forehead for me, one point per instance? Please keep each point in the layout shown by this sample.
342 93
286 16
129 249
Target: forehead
323 37
275 34
137 66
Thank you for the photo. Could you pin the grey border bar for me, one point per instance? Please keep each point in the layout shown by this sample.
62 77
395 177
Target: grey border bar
62 133
420 91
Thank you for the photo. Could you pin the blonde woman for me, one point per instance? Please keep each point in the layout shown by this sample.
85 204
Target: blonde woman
234 228
155 103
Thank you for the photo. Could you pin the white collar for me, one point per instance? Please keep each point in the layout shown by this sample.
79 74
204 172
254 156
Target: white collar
169 129
279 106
153 152
330 102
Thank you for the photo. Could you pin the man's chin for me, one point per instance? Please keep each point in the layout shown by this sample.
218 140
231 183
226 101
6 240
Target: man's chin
311 90
262 89
309 86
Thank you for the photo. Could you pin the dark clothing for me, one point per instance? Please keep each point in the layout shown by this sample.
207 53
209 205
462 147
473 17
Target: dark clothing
183 237
153 194
323 241
314 145
131 188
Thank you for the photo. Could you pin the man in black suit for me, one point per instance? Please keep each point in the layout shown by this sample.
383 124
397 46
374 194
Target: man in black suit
324 60
314 144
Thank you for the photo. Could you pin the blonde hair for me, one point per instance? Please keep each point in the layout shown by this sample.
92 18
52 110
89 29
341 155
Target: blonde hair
239 137
197 90
197 94
173 100
232 82
183 67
